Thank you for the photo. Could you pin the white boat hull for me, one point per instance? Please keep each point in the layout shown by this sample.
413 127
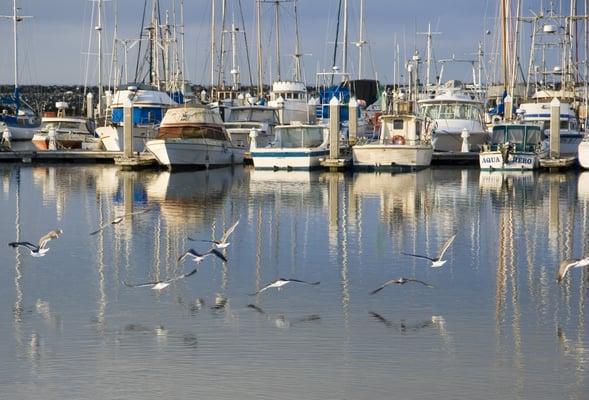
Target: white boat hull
204 153
520 161
452 141
584 154
113 137
291 158
19 133
388 156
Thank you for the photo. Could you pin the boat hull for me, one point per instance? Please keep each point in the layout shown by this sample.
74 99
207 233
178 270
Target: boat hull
113 138
203 153
518 161
584 154
385 156
291 158
452 141
41 142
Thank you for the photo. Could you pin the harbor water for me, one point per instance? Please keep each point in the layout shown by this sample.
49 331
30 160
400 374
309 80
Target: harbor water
494 325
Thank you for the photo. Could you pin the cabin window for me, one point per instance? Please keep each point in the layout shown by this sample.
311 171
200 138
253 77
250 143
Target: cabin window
498 136
564 124
193 132
534 136
398 124
515 135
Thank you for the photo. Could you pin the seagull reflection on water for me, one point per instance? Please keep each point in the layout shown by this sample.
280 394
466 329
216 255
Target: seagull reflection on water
280 321
401 326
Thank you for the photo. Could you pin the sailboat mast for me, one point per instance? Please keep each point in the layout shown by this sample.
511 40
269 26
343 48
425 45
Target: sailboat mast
259 40
504 44
361 39
14 22
298 54
277 21
99 33
345 47
213 44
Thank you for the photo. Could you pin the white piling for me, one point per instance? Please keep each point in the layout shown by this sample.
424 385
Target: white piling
465 145
352 121
90 106
508 108
334 128
555 128
128 128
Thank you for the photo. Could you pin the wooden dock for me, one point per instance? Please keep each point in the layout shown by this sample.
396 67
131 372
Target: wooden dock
59 156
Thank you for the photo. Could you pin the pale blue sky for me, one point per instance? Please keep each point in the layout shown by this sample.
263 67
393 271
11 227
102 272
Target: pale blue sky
53 43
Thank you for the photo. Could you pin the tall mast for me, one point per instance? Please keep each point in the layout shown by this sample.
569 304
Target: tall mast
234 67
99 33
221 80
298 54
504 44
259 40
515 60
429 46
361 41
182 58
15 19
277 18
213 44
345 47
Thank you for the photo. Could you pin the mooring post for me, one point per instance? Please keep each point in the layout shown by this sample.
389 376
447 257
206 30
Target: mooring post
334 128
555 128
508 108
128 128
353 121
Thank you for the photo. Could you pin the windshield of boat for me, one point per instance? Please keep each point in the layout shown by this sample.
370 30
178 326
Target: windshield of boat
202 131
65 126
517 134
301 137
451 111
252 115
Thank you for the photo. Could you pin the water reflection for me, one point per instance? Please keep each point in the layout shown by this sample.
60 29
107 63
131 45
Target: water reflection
497 290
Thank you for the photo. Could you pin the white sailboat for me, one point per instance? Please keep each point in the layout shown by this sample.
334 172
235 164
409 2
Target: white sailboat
18 117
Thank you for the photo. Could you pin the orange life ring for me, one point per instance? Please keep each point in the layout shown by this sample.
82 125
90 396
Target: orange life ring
398 139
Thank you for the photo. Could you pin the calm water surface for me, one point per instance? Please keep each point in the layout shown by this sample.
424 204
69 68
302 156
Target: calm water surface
496 325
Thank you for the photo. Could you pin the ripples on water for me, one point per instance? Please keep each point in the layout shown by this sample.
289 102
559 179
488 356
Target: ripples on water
495 325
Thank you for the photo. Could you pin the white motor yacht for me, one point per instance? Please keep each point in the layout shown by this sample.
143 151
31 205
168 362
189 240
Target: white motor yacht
194 137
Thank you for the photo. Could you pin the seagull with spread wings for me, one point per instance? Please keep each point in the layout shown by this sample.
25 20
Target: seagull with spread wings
568 264
399 281
221 243
437 260
159 285
199 257
120 219
39 249
278 283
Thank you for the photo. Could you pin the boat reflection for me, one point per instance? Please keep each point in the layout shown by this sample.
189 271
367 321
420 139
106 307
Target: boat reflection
190 198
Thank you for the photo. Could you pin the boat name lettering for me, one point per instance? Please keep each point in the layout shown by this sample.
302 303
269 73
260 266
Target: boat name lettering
523 160
492 159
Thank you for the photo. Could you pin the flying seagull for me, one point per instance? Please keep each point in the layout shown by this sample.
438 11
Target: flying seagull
399 281
278 283
221 243
198 257
159 285
120 219
39 250
566 265
436 261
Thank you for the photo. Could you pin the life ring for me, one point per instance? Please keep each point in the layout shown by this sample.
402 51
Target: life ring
398 139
